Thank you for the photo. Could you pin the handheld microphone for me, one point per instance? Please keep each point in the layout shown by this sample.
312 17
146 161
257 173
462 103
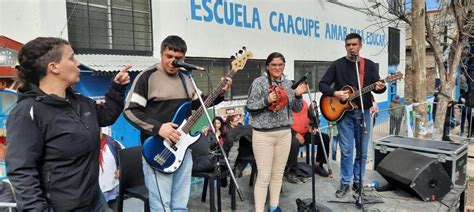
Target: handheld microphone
295 84
179 63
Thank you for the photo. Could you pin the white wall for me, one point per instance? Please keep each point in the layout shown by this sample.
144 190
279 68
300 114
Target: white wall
212 39
24 20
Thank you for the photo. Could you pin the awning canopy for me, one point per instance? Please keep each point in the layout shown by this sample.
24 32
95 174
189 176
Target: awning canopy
113 63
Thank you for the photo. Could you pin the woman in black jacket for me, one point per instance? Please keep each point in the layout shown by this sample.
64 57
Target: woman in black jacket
53 132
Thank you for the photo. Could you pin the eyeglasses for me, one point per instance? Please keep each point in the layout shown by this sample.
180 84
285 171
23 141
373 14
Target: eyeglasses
273 65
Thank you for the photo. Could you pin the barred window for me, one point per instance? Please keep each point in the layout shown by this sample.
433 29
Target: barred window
110 26
218 68
317 69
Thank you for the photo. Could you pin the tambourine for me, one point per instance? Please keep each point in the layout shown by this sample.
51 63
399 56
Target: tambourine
282 98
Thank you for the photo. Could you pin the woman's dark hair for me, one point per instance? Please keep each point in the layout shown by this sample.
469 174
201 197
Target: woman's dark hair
222 122
34 57
273 56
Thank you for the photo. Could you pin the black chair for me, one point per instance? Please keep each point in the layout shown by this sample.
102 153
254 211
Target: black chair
250 159
132 182
244 159
246 156
201 149
213 181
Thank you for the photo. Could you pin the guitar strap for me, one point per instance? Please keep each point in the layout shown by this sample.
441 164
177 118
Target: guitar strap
183 81
362 71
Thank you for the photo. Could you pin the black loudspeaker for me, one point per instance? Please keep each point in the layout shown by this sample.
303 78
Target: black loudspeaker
415 173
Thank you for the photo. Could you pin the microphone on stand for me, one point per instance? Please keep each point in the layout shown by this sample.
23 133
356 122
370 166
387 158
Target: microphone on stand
187 66
295 84
355 56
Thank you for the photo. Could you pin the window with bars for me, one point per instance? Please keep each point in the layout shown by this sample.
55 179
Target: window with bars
110 26
317 69
218 68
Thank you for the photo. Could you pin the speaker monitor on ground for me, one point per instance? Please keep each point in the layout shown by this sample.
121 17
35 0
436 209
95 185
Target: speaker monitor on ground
415 173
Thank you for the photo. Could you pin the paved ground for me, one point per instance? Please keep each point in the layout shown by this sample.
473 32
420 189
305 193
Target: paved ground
325 187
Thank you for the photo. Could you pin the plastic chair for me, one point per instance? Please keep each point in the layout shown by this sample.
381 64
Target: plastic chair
132 182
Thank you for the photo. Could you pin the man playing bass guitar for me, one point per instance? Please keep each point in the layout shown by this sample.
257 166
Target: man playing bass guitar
155 95
342 72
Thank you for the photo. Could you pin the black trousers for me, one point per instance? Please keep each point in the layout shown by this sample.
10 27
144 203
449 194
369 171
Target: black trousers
292 163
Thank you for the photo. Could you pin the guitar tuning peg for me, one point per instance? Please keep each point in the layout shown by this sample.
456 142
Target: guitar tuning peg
244 48
236 55
241 51
232 57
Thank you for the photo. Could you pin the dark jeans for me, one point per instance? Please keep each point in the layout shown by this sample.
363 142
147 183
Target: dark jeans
395 124
292 163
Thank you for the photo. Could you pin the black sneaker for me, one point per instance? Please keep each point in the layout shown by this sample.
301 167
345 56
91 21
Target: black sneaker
291 178
342 190
319 169
356 187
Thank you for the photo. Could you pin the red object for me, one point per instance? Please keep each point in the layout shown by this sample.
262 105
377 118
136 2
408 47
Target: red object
5 42
3 140
282 98
301 120
103 142
362 71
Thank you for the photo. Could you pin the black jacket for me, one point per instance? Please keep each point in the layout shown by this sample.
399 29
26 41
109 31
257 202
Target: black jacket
343 72
53 148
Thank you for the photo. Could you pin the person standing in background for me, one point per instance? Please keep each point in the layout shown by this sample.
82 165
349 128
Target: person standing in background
396 111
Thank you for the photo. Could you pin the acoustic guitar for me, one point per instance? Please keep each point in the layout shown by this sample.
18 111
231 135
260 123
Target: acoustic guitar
333 108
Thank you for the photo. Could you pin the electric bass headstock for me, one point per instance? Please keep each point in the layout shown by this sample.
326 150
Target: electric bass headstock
240 59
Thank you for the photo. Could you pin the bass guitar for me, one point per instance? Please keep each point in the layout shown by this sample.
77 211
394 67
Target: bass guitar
167 158
333 108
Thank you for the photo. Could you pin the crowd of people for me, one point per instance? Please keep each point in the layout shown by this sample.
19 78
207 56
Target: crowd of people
56 164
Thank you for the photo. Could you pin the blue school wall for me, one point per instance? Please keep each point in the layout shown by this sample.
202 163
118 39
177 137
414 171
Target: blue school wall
95 84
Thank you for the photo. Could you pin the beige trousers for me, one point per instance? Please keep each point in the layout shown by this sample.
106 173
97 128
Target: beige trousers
271 151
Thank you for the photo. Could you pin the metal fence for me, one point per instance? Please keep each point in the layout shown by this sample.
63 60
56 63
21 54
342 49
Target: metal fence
458 123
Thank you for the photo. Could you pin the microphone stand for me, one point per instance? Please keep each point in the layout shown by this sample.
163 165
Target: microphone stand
362 128
314 113
313 180
224 155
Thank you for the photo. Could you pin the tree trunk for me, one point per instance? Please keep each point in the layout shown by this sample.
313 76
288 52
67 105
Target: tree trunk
462 13
419 66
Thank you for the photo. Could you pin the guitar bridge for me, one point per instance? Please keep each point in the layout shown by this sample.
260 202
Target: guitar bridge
159 159
174 147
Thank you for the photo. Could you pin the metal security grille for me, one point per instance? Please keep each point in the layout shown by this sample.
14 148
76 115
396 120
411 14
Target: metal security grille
110 26
218 68
317 69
